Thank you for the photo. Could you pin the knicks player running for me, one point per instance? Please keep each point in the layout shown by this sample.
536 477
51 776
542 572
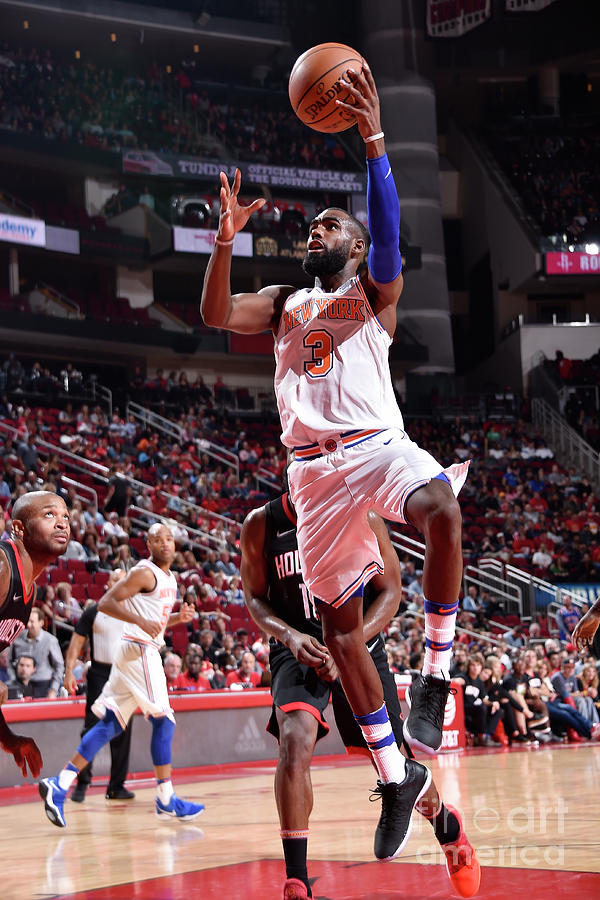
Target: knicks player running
351 453
143 600
303 678
40 532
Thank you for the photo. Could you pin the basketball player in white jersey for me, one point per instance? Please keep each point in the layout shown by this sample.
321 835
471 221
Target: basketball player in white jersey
350 451
143 600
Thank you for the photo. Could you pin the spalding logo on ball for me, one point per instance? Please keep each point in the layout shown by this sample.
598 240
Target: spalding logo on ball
316 83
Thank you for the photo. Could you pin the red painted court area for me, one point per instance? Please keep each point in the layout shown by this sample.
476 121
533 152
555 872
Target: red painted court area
262 880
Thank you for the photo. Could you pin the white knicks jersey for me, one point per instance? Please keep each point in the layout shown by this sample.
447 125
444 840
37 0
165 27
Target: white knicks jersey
155 606
332 371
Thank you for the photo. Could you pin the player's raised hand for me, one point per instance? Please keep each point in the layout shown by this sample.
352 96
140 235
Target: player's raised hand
307 650
586 628
26 753
366 101
233 217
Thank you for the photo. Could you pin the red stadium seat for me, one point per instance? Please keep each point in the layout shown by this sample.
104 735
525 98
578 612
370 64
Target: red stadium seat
180 638
57 575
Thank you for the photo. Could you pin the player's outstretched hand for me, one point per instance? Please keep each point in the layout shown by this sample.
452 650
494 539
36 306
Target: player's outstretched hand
25 752
366 101
308 651
233 217
584 631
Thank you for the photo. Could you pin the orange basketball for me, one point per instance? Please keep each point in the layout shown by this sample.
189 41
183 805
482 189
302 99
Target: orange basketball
316 83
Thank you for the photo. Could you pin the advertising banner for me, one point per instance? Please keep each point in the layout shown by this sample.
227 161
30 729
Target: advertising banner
202 240
18 230
577 263
191 167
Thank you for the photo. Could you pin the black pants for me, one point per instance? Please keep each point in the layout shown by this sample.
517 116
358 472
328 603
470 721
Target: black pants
97 677
507 715
476 718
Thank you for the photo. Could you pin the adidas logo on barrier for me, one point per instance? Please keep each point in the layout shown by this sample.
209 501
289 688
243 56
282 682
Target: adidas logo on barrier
250 738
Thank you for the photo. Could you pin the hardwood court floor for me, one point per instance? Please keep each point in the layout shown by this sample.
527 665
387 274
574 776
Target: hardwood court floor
532 814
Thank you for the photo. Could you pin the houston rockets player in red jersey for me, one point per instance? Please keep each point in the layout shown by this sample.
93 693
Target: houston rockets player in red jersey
41 530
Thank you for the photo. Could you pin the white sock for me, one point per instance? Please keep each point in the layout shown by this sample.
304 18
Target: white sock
164 790
377 732
67 776
440 627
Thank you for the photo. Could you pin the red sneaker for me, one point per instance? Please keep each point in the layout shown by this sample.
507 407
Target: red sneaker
462 864
573 737
294 889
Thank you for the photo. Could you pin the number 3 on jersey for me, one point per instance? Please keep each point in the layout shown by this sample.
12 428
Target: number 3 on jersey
320 343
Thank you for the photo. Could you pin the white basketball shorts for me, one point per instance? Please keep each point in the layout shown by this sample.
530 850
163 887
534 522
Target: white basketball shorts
332 495
137 678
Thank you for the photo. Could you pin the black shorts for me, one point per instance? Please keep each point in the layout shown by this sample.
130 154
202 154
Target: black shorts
295 686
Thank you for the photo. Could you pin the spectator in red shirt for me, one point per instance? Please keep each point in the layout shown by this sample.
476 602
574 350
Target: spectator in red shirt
192 679
563 365
245 676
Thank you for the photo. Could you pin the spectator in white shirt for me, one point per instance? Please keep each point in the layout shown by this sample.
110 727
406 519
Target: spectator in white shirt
541 559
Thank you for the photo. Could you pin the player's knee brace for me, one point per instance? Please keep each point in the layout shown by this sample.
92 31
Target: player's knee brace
162 735
103 732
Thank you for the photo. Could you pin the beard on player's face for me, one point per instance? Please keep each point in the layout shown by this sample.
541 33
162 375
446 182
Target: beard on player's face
326 262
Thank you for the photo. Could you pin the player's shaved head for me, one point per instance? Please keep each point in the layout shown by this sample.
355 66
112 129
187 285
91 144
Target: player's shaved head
157 528
29 504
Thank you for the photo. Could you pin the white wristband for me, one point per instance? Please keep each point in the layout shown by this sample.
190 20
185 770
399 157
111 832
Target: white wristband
224 243
373 137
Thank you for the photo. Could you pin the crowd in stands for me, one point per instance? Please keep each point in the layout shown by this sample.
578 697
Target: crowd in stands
161 110
577 382
558 177
519 687
519 506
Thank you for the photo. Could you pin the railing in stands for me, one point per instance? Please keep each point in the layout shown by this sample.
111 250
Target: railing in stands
100 472
202 510
101 393
150 419
61 299
75 460
18 206
269 479
534 587
143 518
565 442
81 490
509 594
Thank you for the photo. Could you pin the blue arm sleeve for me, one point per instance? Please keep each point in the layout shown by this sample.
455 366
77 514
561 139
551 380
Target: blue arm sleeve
385 262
